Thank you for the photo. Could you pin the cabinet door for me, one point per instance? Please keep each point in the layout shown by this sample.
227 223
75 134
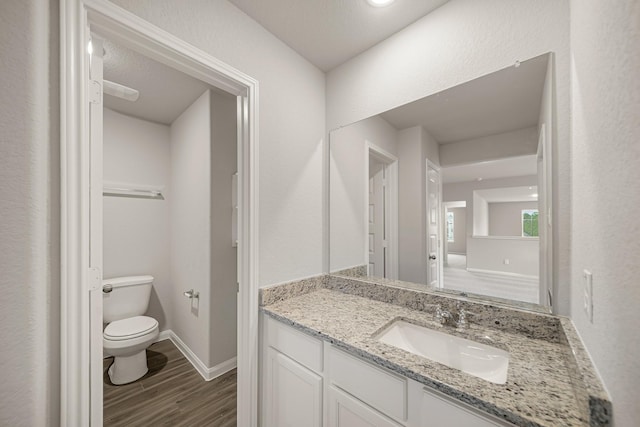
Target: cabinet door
438 410
293 393
347 411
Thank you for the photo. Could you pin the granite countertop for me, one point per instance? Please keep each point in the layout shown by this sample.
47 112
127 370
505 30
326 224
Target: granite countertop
539 390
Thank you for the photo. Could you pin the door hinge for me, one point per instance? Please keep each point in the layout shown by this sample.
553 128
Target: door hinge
95 92
95 279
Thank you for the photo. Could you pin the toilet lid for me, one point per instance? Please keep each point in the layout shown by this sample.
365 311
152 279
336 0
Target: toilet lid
132 327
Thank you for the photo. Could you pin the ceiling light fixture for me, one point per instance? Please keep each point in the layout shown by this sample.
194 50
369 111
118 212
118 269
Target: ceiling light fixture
380 3
534 195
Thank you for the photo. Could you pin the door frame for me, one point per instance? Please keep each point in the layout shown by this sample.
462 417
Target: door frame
78 18
391 207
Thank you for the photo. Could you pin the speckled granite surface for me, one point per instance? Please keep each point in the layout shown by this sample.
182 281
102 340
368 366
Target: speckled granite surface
358 271
271 294
542 377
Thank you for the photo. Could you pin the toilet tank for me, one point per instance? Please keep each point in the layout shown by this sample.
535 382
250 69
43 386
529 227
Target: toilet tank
129 297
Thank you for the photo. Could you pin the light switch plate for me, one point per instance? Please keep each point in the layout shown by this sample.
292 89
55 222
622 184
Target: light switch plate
587 286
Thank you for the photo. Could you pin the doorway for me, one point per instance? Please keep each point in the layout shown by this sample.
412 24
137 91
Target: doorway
82 188
169 160
382 212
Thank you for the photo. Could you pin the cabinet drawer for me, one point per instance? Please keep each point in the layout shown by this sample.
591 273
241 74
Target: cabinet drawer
439 410
378 388
299 346
346 411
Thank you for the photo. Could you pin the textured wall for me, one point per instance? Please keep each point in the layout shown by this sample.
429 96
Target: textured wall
292 126
29 213
136 231
224 257
348 190
606 174
190 207
462 40
459 244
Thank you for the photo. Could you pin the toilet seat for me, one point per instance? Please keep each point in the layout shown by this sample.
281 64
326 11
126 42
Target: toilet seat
132 327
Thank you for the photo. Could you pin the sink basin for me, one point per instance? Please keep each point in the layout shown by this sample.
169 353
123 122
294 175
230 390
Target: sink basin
480 360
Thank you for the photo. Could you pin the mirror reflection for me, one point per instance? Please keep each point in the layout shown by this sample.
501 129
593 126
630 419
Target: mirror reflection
451 192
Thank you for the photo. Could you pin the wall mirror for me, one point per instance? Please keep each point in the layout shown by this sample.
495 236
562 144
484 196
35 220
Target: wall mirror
452 192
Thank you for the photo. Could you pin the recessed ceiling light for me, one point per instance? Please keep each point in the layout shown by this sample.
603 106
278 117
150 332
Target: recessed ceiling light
478 179
534 195
380 3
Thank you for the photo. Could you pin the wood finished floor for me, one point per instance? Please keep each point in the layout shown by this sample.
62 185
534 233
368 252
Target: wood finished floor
172 393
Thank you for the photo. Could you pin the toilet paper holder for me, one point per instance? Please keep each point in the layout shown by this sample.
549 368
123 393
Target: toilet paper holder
191 294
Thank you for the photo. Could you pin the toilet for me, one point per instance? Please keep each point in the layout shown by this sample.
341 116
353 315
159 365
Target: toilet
128 332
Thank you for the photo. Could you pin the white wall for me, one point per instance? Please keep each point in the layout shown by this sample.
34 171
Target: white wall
505 219
29 214
291 126
459 244
520 142
434 54
348 187
136 231
459 191
190 205
489 253
415 146
604 226
224 257
480 212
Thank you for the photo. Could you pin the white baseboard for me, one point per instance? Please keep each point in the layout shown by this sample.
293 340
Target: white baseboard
501 273
207 373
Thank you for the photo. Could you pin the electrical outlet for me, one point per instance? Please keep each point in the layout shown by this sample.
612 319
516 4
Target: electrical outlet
506 261
587 289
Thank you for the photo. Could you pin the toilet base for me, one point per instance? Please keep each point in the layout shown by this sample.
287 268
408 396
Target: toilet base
127 369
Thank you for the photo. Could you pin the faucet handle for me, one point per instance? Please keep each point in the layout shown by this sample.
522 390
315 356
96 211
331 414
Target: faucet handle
442 315
462 318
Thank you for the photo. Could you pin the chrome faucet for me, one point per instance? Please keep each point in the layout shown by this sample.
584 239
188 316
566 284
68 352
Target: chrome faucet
445 317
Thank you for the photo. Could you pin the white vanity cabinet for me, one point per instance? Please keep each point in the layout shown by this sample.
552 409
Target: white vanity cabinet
308 382
294 397
347 411
292 390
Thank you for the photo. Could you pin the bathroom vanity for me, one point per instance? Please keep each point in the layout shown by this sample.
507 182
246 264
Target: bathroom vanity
326 363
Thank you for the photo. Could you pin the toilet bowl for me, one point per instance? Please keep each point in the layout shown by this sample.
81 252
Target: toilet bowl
127 340
128 332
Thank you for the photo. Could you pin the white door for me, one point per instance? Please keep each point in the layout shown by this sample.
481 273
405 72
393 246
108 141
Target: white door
377 218
434 228
347 411
293 393
95 227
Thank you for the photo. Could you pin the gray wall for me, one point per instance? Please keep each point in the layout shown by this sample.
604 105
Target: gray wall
459 245
29 213
391 74
505 219
605 228
136 231
224 257
464 191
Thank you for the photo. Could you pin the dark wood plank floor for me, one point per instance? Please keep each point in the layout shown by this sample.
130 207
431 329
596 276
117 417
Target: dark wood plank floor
172 393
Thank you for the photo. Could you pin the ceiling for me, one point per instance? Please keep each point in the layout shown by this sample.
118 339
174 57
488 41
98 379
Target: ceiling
509 194
504 101
330 32
494 169
164 92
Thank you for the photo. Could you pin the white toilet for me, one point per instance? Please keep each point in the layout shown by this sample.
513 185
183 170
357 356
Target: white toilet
128 333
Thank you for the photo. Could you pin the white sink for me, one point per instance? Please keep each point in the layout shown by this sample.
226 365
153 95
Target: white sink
480 360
